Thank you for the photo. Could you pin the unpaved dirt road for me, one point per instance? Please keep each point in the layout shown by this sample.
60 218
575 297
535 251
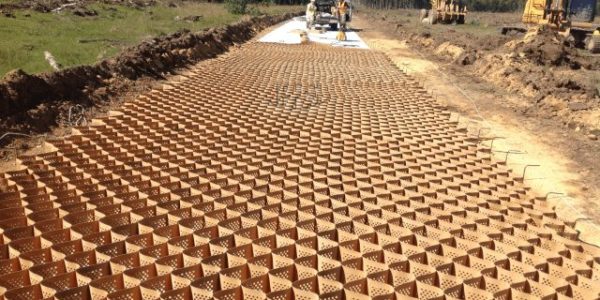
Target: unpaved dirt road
283 172
564 165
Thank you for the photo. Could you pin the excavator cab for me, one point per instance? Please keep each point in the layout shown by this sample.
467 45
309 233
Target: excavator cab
571 18
560 13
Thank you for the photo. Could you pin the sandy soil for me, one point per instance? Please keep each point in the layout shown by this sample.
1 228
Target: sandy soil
564 167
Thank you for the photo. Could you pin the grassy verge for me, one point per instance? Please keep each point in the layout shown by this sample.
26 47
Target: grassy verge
75 40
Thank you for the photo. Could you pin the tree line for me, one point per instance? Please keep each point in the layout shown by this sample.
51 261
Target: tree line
472 5
479 5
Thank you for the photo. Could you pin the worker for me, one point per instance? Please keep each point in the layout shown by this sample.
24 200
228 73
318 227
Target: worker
311 14
342 9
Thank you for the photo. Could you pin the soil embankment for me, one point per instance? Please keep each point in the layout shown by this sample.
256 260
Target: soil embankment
34 104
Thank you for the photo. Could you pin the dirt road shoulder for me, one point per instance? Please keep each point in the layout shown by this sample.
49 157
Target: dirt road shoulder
557 164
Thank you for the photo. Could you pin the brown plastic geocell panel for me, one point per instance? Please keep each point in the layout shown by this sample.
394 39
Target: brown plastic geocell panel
282 172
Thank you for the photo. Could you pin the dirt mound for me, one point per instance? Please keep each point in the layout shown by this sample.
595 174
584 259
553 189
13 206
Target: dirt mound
33 103
449 50
21 90
555 79
459 47
546 48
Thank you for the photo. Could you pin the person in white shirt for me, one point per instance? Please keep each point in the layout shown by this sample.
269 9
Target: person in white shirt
311 14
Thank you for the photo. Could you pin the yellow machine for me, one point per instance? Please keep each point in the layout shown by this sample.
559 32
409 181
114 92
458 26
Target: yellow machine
445 11
571 18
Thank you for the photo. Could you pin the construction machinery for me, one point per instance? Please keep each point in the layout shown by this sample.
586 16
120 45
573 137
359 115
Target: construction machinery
445 11
327 13
572 19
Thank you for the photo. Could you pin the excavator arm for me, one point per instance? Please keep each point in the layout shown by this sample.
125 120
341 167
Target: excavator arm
535 12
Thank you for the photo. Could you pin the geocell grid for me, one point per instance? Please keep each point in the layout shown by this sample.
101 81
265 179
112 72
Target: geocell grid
283 172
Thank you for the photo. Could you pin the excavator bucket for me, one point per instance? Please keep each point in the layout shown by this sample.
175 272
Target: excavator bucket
594 42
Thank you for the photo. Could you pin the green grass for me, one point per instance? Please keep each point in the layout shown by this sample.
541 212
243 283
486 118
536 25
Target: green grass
77 40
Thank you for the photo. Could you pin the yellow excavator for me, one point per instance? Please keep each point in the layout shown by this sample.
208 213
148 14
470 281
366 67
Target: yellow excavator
573 19
445 11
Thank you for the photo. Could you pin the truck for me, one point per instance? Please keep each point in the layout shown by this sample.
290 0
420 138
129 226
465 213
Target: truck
327 13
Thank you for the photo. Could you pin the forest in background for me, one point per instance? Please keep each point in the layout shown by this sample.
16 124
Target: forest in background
472 5
478 5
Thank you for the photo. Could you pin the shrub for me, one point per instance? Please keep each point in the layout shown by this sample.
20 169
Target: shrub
254 11
237 7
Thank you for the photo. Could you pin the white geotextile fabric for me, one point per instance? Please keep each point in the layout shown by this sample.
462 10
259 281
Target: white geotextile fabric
289 33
